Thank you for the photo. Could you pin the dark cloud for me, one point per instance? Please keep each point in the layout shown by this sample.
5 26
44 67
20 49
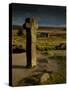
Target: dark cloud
45 15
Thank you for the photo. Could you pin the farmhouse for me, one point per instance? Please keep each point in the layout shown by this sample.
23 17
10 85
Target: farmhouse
42 34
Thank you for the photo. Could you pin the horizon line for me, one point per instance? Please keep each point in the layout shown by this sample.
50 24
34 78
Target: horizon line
44 25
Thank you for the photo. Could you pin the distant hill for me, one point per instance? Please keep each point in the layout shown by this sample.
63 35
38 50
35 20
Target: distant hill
51 27
14 27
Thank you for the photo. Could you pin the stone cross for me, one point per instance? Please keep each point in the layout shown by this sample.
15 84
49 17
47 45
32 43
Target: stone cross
31 26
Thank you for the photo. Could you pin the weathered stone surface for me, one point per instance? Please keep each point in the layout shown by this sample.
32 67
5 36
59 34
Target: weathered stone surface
44 78
31 26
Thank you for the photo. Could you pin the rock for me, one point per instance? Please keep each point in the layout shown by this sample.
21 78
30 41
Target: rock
44 78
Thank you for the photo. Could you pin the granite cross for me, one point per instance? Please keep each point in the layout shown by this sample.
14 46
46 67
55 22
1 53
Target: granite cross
31 26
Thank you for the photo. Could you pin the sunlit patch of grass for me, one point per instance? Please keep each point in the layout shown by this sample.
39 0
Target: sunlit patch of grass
42 43
19 40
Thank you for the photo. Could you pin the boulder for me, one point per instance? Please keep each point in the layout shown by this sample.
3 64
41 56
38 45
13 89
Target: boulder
44 78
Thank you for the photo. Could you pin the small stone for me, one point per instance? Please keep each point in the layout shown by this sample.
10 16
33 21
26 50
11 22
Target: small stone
44 78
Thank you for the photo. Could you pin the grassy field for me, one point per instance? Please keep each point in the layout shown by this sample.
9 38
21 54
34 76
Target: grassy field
51 56
42 42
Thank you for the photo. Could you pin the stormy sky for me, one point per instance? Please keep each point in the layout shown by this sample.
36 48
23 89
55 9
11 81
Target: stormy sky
45 15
